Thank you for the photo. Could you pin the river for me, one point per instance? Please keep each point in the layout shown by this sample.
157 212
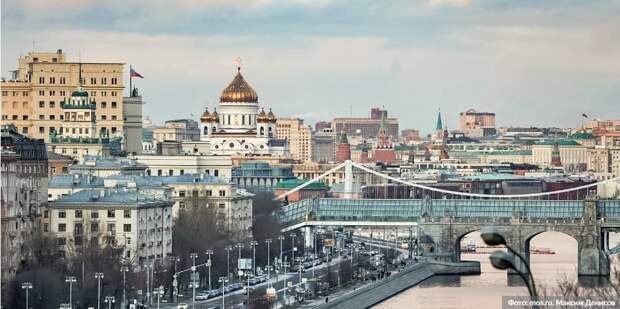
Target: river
486 290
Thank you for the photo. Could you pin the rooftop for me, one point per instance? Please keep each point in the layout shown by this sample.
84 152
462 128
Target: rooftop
121 196
293 183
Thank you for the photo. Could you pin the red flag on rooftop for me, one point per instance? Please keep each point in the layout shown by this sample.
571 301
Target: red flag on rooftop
133 73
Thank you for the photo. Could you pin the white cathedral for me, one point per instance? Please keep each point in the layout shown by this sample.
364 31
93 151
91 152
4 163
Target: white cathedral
237 127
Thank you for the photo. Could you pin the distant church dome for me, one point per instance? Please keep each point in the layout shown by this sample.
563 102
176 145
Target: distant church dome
239 91
271 116
206 116
262 116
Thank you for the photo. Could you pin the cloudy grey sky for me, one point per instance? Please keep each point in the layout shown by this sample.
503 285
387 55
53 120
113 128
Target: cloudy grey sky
532 62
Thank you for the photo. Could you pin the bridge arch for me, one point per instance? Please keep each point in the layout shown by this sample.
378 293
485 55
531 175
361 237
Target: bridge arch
556 252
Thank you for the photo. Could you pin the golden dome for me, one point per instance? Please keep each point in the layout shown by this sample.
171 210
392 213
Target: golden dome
271 116
206 116
262 116
239 91
214 116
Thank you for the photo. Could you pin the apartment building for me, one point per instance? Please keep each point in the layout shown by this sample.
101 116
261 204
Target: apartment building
31 99
299 137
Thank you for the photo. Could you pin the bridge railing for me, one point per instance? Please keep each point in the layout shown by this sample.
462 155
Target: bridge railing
609 210
500 208
385 210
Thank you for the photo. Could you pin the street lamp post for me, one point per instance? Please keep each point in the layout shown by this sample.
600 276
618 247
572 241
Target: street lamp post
285 265
27 286
209 262
109 300
98 276
124 270
175 284
253 243
71 280
268 242
223 281
281 238
293 235
239 246
228 249
502 260
193 256
159 292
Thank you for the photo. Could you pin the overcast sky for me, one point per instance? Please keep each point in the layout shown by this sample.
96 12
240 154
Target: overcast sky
532 62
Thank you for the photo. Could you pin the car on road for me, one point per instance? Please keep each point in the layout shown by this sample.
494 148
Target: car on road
182 306
202 296
215 293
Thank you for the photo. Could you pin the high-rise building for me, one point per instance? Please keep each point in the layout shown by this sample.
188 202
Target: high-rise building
321 125
24 195
477 124
31 100
299 137
366 127
324 146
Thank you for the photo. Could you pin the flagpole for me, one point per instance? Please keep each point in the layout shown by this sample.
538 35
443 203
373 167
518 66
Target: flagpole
130 86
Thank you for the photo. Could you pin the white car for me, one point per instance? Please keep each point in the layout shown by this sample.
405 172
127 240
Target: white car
182 306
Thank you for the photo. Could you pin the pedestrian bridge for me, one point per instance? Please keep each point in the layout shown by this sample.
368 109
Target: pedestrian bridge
385 212
445 221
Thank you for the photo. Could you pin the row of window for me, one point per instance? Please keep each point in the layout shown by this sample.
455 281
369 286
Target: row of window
216 173
63 80
94 228
93 214
195 193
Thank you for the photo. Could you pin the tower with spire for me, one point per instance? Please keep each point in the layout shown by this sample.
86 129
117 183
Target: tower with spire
343 151
440 134
384 149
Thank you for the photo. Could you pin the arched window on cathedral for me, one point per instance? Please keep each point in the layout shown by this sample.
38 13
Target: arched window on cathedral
206 131
262 131
270 132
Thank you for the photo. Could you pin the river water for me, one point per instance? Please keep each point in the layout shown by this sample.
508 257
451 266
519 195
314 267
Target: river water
487 289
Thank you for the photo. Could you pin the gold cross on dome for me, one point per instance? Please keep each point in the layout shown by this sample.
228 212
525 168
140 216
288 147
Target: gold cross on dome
239 61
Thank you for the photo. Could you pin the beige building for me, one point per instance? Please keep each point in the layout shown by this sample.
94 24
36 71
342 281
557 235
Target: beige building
177 130
299 137
137 221
477 124
573 156
31 100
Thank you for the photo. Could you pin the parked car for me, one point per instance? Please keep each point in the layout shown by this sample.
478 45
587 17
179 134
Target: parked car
182 306
202 296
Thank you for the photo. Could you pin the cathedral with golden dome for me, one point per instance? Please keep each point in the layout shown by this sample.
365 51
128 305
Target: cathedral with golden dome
239 125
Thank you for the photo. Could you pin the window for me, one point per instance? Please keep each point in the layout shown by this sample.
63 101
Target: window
78 229
94 227
104 117
209 193
126 227
93 81
41 129
158 172
45 227
52 104
113 104
113 80
78 213
41 117
25 117
62 214
216 173
127 213
104 104
170 172
182 193
104 93
181 205
52 117
52 92
52 80
113 117
41 80
221 205
14 117
222 192
104 80
46 214
113 93
181 172
63 81
110 213
111 229
61 241
41 104
113 130
62 227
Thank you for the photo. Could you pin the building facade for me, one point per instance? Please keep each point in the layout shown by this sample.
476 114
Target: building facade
24 196
177 130
477 124
298 135
31 100
138 222
324 146
365 127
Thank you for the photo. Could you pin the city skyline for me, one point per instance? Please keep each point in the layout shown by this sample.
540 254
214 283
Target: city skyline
321 59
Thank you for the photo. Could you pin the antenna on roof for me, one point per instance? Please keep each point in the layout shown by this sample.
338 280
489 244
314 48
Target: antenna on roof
80 68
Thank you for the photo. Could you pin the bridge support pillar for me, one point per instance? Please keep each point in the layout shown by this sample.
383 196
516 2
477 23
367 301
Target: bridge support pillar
309 237
591 259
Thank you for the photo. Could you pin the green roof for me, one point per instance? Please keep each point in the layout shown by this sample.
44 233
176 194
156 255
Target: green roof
583 135
563 142
294 183
439 124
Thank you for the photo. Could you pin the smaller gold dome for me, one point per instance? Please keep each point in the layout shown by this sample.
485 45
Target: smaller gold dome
206 116
262 116
239 91
214 116
271 116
